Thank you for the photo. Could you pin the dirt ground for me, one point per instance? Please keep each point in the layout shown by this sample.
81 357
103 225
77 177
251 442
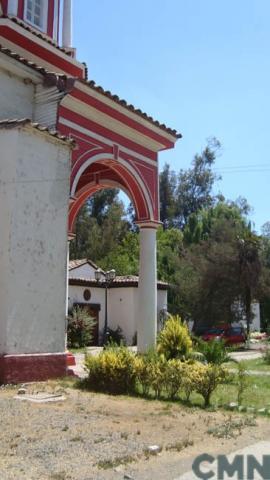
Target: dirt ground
92 436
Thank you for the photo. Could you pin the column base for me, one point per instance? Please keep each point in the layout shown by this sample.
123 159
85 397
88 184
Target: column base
32 367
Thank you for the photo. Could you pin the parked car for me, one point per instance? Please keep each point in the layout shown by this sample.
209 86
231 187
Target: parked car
230 335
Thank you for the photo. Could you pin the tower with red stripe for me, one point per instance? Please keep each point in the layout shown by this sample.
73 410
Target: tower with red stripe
117 144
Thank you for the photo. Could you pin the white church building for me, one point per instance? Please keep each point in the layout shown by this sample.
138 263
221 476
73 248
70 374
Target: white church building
62 139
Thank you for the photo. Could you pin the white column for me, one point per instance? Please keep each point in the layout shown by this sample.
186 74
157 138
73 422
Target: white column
147 292
67 290
67 24
12 7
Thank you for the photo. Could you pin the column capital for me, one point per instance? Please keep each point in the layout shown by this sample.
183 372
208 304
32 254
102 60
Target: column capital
71 236
153 224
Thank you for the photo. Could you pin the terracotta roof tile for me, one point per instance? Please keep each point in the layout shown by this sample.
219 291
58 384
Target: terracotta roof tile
93 86
37 33
28 63
13 123
83 261
130 107
119 281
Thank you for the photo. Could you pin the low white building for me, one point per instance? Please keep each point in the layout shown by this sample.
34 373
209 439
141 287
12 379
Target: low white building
122 293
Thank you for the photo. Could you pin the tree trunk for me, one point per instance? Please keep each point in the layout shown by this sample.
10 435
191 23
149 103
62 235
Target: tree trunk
248 309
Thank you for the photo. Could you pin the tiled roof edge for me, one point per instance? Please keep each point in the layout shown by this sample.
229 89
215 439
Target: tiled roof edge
115 284
91 84
13 123
130 107
37 34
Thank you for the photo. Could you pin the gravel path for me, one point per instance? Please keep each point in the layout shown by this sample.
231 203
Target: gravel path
100 437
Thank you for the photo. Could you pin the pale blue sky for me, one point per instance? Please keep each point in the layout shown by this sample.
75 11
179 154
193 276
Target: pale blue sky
200 66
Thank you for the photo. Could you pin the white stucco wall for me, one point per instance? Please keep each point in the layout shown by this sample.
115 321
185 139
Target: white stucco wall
16 96
122 310
122 306
75 295
256 321
34 197
83 271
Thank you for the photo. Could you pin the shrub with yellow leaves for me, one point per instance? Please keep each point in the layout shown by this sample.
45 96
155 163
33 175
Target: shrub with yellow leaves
112 371
174 340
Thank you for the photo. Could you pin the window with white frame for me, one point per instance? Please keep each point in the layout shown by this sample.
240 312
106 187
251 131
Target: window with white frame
36 13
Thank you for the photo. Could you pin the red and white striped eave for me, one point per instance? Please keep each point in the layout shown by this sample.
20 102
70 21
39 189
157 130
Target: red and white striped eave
36 49
116 148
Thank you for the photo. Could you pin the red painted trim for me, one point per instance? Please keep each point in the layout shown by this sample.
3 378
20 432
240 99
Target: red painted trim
81 139
50 18
125 179
115 114
84 157
104 132
21 9
31 367
41 52
4 6
76 206
71 361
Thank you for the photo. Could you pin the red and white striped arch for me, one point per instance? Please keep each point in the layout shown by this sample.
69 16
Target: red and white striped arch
96 170
115 147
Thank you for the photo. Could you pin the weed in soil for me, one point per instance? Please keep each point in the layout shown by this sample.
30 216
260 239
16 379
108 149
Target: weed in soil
179 446
115 462
232 428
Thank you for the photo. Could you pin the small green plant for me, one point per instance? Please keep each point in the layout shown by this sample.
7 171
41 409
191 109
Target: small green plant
115 462
206 378
232 427
80 327
242 382
174 340
266 356
214 351
150 372
180 445
116 336
174 377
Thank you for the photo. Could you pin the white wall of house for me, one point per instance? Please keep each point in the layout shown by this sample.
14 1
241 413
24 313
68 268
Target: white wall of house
256 321
122 306
75 295
122 310
83 271
16 96
34 197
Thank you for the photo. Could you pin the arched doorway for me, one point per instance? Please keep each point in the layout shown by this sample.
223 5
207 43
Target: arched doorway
101 171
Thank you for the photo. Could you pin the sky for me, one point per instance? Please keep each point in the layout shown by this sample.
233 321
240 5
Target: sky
199 66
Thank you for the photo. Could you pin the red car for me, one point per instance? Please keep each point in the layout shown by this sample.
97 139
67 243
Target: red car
230 335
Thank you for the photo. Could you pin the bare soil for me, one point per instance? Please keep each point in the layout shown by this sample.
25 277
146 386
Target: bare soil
93 436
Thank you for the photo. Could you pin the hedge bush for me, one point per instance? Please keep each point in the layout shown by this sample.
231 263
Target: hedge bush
119 371
112 371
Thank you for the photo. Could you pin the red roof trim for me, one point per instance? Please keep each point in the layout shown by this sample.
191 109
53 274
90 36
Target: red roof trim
94 102
41 52
103 131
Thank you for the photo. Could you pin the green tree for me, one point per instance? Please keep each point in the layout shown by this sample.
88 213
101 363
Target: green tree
249 270
167 196
101 225
190 190
194 186
220 266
